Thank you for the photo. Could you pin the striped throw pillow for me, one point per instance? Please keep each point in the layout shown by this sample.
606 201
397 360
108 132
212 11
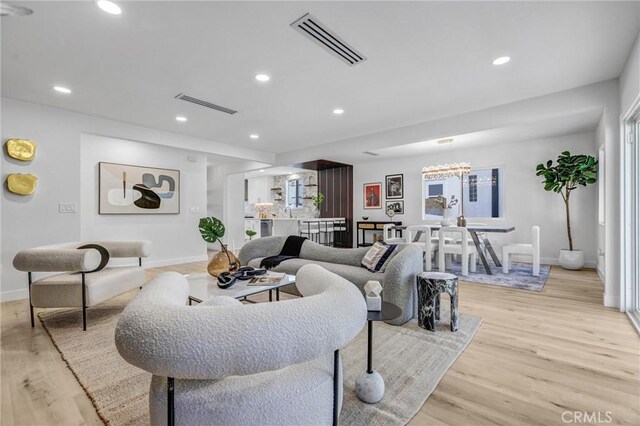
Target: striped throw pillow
379 256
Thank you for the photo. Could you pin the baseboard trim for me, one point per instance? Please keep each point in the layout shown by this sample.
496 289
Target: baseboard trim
600 275
590 264
611 301
10 295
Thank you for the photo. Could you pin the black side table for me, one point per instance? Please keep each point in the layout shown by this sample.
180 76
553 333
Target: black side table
370 384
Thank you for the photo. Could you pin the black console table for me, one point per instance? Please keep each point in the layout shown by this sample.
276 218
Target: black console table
372 225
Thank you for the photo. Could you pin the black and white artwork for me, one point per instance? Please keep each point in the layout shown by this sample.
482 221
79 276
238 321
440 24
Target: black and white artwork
397 206
126 189
394 186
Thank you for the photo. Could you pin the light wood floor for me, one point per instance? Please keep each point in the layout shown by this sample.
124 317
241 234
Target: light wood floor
535 356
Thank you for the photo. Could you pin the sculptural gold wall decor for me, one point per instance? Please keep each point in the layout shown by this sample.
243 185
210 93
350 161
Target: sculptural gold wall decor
21 149
22 183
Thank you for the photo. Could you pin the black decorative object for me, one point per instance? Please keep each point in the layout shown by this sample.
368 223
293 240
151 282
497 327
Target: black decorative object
104 256
148 200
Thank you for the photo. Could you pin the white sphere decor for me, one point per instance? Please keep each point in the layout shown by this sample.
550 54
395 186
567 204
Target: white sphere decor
370 387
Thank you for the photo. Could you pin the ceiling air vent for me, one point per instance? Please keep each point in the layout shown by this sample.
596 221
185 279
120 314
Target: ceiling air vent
371 153
205 104
310 27
8 9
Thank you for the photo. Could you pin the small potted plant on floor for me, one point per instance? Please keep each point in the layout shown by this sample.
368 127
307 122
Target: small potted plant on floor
570 172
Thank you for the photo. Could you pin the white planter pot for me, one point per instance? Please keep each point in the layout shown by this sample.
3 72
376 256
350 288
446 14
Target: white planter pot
571 259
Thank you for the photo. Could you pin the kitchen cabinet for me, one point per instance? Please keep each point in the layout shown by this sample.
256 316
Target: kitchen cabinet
259 190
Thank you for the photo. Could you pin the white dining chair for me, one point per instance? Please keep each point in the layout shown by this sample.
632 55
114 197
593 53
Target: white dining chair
427 243
465 248
389 234
532 250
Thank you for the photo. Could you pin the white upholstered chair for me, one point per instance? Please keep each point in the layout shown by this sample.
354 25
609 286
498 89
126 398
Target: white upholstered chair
464 247
389 235
226 363
77 286
532 250
426 242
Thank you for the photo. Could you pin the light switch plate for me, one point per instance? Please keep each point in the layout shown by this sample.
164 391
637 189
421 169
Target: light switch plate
194 209
67 208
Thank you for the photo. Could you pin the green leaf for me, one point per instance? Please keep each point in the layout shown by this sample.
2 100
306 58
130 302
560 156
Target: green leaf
211 229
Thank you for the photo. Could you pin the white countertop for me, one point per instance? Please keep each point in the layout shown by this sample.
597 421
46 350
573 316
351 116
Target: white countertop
297 218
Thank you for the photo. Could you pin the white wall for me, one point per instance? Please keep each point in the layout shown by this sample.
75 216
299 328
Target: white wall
34 220
526 203
175 238
630 77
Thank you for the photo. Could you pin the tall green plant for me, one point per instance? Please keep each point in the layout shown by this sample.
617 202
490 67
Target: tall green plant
570 172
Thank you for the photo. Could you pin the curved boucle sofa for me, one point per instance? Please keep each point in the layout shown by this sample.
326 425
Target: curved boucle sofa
398 281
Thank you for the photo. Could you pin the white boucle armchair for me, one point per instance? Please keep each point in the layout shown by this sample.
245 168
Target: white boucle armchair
77 286
226 363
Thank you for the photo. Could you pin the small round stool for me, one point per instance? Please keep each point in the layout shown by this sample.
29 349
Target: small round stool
430 285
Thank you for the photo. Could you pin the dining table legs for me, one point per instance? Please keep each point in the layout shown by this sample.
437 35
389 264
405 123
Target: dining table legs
483 258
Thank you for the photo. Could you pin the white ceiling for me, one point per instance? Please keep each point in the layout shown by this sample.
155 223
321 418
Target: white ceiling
425 60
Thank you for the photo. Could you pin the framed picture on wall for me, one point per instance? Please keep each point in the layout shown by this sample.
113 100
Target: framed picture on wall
372 195
397 206
394 186
125 189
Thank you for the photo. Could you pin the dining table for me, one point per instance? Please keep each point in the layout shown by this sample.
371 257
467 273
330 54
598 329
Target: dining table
478 233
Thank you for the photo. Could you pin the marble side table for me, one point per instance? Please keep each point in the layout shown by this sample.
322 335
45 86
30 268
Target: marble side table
370 384
430 286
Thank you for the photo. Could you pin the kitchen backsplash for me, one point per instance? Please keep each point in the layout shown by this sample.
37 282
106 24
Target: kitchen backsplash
278 208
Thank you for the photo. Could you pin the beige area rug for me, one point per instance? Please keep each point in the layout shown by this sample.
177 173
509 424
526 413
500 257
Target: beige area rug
411 360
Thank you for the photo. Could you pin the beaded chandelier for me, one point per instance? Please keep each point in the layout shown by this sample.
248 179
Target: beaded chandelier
446 171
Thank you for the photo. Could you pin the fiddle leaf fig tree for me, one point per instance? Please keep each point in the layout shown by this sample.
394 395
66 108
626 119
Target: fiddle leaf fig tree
569 173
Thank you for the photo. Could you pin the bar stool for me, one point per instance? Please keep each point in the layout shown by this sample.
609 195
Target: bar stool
339 232
309 229
430 286
326 228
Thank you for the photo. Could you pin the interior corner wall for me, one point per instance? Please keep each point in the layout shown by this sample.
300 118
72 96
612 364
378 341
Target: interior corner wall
526 203
174 237
34 220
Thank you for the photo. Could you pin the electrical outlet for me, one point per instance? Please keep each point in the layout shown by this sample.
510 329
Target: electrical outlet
194 210
67 208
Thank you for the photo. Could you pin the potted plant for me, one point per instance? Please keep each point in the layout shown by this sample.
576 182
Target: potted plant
250 233
212 231
317 201
570 172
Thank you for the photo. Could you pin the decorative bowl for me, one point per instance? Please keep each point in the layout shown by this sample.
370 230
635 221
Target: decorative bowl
365 217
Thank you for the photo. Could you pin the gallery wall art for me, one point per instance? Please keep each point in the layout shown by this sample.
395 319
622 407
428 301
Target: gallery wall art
126 189
394 185
372 195
396 205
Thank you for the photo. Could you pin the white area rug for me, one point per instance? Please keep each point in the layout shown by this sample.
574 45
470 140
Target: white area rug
411 360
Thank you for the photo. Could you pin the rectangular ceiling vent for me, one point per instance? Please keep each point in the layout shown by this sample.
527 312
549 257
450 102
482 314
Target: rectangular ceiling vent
371 153
310 27
205 104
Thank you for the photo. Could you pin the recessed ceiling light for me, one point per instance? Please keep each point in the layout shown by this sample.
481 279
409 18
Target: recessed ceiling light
61 89
261 170
262 77
109 7
501 60
444 141
181 119
338 111
254 136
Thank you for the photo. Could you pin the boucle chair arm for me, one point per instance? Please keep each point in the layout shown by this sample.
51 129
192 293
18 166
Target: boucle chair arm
160 334
260 247
400 280
126 248
56 259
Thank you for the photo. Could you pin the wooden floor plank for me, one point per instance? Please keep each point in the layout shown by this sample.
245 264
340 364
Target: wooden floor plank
535 356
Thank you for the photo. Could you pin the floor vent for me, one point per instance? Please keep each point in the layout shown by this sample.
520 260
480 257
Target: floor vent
310 27
205 104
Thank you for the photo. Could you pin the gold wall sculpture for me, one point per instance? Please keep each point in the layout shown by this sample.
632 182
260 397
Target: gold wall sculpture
21 149
22 183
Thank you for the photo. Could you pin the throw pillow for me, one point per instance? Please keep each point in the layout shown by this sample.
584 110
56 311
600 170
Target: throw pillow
378 256
104 255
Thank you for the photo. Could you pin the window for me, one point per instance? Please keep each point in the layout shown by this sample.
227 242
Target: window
473 188
482 195
294 193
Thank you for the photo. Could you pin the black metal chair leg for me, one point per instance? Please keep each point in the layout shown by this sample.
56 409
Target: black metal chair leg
336 366
30 305
170 402
84 304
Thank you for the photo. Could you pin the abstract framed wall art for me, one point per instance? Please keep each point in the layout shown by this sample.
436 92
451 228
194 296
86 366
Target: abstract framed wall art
372 195
394 185
126 189
396 206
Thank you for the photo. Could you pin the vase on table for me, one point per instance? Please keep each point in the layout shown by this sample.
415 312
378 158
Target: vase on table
445 218
223 261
